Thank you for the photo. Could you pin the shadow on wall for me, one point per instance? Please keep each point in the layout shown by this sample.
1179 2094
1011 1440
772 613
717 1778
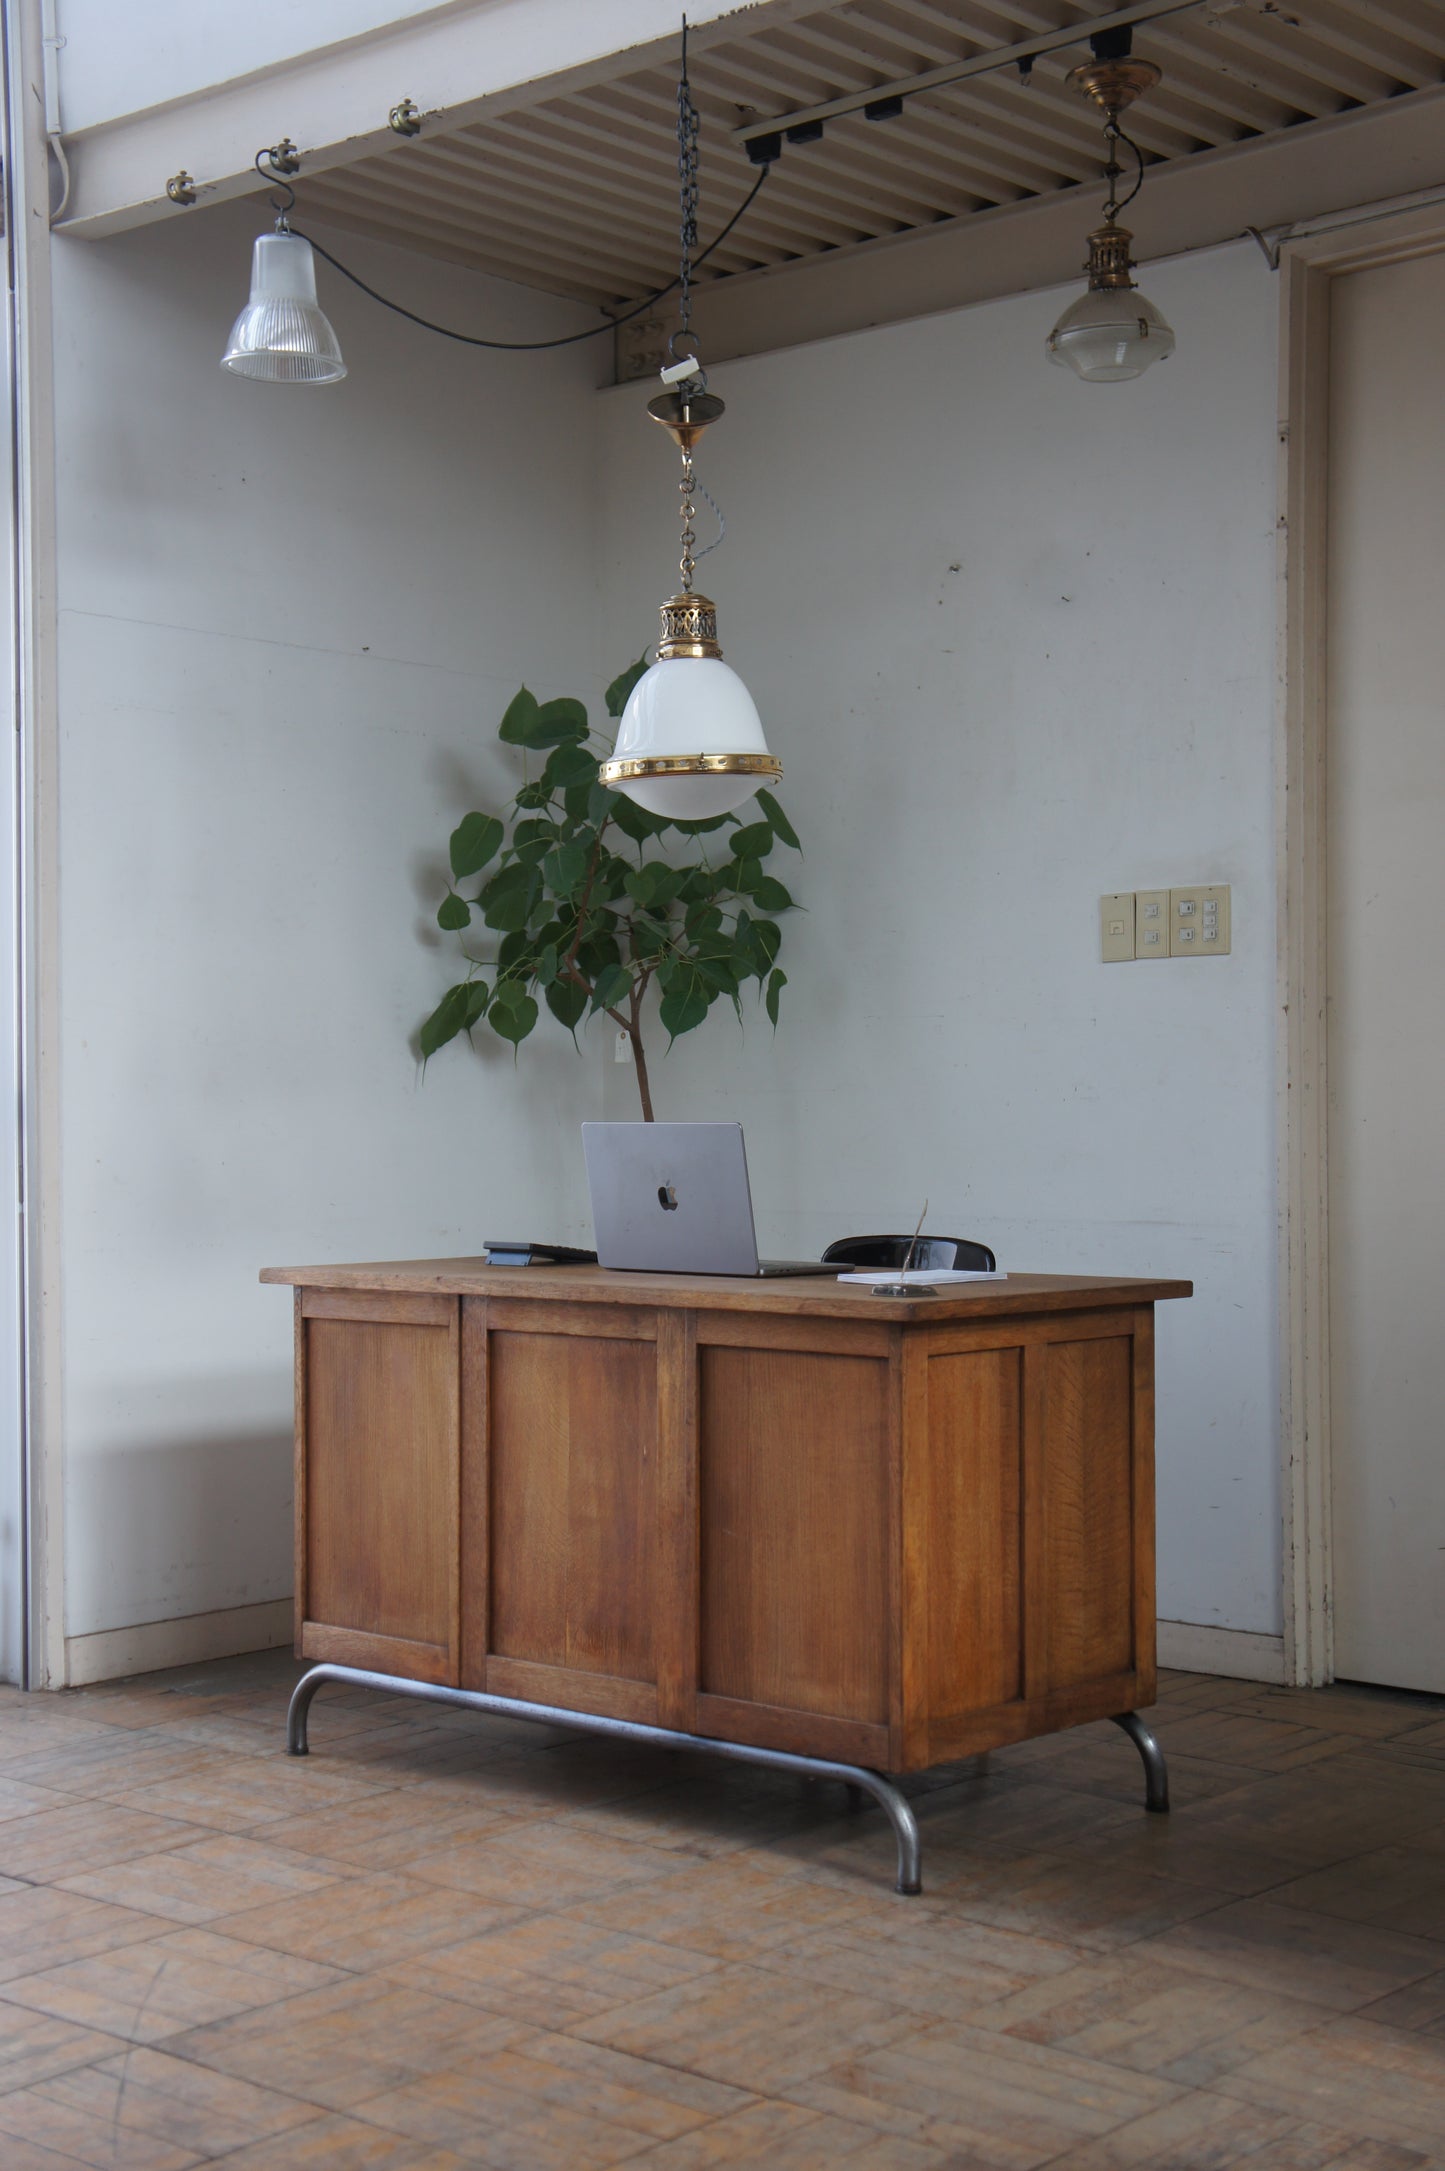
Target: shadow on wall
159 1529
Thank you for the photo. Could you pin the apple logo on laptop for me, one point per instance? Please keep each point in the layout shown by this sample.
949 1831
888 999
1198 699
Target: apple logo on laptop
667 1198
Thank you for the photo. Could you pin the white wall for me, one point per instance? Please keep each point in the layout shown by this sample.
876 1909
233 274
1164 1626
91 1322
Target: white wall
1012 637
118 61
289 623
290 620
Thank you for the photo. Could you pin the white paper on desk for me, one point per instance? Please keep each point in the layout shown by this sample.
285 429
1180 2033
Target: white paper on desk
924 1274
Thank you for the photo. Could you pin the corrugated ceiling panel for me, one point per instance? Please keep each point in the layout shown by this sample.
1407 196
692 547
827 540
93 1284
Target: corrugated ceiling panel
577 194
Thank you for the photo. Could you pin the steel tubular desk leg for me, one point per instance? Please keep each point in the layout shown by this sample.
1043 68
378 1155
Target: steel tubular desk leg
1156 1771
890 1799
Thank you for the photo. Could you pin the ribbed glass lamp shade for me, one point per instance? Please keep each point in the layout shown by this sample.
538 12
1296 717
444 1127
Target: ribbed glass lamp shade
690 744
282 336
1109 334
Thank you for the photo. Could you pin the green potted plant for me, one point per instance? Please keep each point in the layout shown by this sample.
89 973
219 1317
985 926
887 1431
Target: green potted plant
590 899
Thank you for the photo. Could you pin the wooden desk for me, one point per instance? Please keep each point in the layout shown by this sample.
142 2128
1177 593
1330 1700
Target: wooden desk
788 1516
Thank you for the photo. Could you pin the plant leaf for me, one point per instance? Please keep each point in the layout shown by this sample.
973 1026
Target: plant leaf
564 868
569 764
476 839
507 898
681 1010
513 1020
558 721
598 951
743 875
567 1001
476 1002
446 1021
454 913
777 981
547 965
635 821
718 973
520 721
622 685
782 828
648 939
654 884
610 986
770 894
702 829
754 842
765 939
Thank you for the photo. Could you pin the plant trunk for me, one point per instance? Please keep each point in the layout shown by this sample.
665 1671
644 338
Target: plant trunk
640 1064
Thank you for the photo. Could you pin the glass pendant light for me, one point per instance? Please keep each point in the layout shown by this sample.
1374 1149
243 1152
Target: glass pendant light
1112 331
690 744
282 336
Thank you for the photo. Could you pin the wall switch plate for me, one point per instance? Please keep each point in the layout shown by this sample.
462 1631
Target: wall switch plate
621 1047
1116 927
1151 923
1199 921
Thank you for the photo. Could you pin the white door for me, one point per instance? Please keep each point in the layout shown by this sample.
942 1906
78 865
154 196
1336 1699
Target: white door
1385 788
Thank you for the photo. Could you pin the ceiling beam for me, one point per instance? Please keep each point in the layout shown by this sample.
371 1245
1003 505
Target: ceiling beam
458 65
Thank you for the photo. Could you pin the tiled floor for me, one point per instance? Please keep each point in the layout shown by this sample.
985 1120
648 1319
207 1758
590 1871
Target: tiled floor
444 1941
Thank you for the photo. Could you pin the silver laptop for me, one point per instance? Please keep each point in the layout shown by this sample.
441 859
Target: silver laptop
673 1198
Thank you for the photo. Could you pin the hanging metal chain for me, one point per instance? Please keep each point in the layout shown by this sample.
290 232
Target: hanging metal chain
688 511
687 132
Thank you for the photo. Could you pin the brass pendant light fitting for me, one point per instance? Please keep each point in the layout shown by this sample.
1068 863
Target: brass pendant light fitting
690 743
1104 337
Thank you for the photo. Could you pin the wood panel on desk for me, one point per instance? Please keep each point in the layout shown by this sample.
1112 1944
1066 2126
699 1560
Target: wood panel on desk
793 1501
973 1506
1088 1509
380 1511
572 1444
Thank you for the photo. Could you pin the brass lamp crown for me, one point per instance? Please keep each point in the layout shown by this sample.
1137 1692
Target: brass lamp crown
1110 264
689 627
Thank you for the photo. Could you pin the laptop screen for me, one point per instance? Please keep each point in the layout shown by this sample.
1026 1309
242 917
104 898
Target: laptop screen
671 1197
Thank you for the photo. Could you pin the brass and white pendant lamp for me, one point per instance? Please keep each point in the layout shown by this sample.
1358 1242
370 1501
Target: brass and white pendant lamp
1112 331
690 744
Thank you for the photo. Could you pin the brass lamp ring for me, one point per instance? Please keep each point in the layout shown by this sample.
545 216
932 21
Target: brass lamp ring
617 770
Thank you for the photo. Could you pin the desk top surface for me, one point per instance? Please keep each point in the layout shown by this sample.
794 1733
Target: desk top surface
823 1297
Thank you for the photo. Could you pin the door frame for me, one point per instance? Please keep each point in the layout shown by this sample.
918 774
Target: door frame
1308 266
35 1025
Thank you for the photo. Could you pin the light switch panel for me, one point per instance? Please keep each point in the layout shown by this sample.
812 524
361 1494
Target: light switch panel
1151 923
1116 927
1199 921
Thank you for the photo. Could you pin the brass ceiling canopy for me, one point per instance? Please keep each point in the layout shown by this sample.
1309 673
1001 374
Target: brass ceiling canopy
1114 84
684 416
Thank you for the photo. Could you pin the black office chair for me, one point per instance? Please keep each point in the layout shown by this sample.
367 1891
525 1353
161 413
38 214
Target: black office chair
931 1254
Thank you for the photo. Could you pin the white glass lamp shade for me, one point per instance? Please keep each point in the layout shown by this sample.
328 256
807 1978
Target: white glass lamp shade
1108 334
282 336
690 744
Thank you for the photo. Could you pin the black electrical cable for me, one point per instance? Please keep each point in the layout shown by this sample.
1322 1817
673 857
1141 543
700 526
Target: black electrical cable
536 346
